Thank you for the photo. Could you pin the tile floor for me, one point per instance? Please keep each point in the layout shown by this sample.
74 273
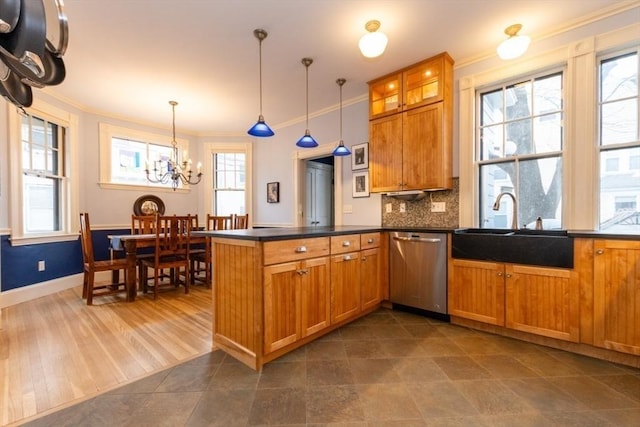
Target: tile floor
388 368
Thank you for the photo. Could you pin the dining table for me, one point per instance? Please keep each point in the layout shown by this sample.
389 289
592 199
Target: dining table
131 244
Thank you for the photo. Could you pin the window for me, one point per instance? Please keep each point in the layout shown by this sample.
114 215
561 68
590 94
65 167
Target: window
520 148
42 167
229 183
125 154
43 170
618 139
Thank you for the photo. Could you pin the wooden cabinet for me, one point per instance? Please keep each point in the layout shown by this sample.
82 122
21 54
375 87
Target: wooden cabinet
370 278
538 300
476 291
296 301
616 295
345 286
296 293
410 132
543 301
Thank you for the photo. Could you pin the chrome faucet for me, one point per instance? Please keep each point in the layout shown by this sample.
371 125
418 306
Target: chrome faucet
496 206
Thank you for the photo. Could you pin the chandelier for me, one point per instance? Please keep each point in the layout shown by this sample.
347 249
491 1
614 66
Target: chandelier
171 170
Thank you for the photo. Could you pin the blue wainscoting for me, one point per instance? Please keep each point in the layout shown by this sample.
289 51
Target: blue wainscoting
20 263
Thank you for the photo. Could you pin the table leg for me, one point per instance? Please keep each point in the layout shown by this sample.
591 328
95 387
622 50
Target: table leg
130 250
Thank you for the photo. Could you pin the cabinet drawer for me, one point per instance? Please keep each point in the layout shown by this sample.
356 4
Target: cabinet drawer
369 240
293 250
347 243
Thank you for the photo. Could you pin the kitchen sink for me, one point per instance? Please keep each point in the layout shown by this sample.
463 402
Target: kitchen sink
550 248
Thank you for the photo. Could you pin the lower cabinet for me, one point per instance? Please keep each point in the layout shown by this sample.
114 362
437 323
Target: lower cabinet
370 278
345 286
296 301
538 300
616 295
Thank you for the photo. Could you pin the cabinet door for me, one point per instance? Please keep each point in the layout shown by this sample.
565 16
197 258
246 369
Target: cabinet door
385 153
315 295
281 307
616 295
385 96
476 291
423 149
371 277
543 301
345 286
423 83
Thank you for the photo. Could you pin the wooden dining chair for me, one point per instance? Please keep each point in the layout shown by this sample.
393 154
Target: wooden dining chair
241 221
145 224
173 237
197 254
214 222
89 287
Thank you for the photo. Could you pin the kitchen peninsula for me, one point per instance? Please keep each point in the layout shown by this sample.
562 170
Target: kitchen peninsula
276 289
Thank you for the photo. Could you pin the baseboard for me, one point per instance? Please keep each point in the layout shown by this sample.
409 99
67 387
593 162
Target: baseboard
28 293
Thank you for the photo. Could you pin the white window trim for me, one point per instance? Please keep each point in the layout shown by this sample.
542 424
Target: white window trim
70 209
108 131
580 163
209 149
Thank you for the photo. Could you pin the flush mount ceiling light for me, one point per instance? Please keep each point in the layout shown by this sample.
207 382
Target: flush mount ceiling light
260 128
341 150
374 42
307 140
515 45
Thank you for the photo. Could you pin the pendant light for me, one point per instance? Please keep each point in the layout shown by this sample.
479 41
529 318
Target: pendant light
515 45
341 150
260 128
307 140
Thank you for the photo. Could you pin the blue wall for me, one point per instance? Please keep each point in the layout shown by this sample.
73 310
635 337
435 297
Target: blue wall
20 263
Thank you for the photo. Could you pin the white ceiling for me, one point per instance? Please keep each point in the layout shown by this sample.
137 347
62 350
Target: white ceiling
128 58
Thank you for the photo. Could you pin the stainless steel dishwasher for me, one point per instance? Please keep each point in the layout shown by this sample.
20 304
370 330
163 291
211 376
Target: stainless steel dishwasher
418 263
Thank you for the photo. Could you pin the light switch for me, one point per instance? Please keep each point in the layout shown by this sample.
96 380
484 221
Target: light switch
347 209
388 208
403 207
438 207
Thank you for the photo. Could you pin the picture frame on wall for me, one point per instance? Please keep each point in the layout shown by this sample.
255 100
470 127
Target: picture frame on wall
273 192
361 184
360 156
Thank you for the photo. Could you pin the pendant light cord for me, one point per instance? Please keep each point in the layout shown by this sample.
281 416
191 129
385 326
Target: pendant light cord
307 70
260 68
340 109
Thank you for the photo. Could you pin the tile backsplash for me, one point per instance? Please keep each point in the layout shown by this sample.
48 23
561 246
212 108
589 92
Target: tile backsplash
418 213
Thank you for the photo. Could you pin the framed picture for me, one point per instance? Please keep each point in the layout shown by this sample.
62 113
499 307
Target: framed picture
361 184
273 192
360 156
148 205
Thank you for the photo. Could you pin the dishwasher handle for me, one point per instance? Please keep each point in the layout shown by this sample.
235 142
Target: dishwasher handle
417 239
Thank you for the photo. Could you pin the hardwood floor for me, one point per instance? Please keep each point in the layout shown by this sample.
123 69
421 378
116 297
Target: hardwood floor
56 350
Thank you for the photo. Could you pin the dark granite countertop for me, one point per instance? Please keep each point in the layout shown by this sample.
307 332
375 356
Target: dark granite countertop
286 233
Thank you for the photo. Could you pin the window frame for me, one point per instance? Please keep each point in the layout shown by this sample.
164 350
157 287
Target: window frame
69 183
108 131
518 159
209 150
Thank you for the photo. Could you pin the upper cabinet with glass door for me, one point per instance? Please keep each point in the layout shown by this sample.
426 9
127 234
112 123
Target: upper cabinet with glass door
385 96
414 86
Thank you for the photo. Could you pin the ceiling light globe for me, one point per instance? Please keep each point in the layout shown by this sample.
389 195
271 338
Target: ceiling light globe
373 44
513 47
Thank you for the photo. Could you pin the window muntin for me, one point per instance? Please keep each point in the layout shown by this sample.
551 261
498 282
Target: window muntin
520 150
619 142
43 148
229 184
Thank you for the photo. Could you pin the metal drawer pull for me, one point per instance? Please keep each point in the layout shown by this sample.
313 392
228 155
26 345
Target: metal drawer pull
347 258
346 243
301 272
369 240
600 251
499 274
301 249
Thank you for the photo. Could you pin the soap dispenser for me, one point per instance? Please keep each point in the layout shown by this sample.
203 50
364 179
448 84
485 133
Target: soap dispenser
539 223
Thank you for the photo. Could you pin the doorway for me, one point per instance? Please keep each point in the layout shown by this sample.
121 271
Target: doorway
319 194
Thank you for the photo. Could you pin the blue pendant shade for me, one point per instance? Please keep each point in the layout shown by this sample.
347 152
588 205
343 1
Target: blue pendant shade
307 141
260 129
341 150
